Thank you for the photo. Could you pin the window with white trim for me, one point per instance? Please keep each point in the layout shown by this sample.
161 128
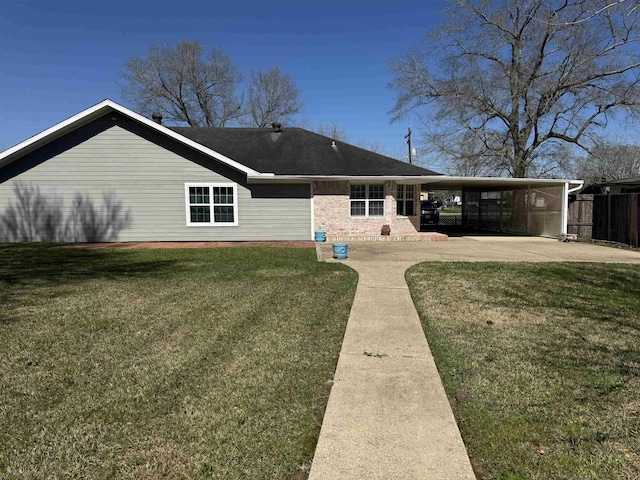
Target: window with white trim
211 204
405 202
366 200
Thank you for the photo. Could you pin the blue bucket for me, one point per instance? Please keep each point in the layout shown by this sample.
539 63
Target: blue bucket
321 236
340 250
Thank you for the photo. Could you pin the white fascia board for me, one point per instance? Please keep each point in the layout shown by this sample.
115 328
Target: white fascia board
501 180
55 131
434 180
100 109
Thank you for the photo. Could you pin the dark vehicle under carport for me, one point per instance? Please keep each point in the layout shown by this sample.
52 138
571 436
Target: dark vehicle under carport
429 213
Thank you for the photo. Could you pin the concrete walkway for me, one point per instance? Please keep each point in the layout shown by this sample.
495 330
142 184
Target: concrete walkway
388 416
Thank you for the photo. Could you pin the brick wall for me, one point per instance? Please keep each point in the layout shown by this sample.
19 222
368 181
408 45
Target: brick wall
332 212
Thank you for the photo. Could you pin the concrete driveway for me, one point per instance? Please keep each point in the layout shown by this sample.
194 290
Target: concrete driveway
482 249
388 416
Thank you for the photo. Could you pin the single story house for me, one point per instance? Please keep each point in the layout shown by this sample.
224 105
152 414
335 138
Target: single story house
110 174
623 185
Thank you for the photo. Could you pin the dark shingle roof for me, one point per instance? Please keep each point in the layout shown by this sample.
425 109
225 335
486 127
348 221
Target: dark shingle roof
600 187
296 151
633 181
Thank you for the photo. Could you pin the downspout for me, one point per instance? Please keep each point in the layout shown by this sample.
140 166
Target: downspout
575 189
565 205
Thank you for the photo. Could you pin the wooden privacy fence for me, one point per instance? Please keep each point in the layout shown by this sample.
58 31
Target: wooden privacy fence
580 217
616 218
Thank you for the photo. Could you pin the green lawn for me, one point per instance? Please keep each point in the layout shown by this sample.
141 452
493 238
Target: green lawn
545 362
451 210
198 363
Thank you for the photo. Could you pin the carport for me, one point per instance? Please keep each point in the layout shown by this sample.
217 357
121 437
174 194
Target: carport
529 206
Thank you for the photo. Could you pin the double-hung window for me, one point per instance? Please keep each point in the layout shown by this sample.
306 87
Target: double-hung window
366 200
212 204
405 200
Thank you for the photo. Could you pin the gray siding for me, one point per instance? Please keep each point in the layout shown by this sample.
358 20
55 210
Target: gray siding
145 174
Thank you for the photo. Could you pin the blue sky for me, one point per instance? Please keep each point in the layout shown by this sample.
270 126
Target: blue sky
58 58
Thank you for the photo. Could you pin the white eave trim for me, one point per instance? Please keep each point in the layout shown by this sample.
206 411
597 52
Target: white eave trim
505 179
273 178
98 110
501 181
433 180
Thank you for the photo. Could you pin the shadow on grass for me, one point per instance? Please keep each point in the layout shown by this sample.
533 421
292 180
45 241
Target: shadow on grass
44 264
27 264
187 361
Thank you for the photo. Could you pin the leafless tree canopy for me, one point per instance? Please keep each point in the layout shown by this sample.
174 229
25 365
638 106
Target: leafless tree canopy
372 146
336 132
332 130
506 85
611 162
184 84
272 97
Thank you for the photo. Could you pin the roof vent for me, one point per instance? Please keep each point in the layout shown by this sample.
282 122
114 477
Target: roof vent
277 127
157 117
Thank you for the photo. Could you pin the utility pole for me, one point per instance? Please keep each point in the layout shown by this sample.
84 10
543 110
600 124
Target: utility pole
408 139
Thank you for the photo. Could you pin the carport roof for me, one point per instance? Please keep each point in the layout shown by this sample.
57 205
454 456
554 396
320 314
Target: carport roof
456 183
435 182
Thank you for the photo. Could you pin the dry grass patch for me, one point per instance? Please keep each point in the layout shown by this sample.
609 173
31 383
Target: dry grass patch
545 361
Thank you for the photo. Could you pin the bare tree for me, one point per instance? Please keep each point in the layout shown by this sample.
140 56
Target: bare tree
465 156
612 162
332 130
272 96
510 83
372 146
184 84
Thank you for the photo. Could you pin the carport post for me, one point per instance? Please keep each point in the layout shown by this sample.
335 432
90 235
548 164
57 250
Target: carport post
528 205
501 205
